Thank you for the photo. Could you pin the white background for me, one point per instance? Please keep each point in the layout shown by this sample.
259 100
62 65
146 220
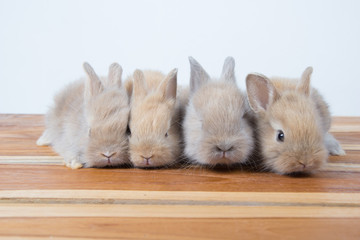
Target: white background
44 43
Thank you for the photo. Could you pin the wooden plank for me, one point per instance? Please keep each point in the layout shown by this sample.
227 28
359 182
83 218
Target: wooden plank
342 167
181 197
185 203
345 124
348 138
18 134
179 228
60 177
350 157
345 128
84 203
57 160
34 160
353 147
175 211
346 119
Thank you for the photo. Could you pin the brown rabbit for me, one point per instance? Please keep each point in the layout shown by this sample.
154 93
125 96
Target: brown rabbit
154 119
294 121
87 125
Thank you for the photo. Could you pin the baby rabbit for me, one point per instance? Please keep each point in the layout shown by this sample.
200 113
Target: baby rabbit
87 125
294 121
154 119
217 130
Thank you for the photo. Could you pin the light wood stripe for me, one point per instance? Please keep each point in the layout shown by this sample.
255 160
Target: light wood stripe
174 211
343 167
42 238
52 237
345 128
51 160
26 237
353 147
258 198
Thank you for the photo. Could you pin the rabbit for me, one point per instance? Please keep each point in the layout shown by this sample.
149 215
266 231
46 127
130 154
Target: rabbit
155 119
217 124
88 123
294 122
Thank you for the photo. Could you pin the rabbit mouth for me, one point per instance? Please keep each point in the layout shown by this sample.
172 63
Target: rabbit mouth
221 161
303 168
223 157
298 170
150 163
111 162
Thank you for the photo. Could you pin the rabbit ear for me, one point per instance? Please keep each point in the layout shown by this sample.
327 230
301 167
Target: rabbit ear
169 85
114 77
261 92
139 85
93 84
228 73
304 84
198 75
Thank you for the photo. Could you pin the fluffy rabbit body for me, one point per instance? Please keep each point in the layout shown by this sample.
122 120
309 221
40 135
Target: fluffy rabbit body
154 119
87 124
216 124
294 121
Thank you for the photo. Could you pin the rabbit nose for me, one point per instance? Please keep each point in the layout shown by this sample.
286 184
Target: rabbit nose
108 155
147 160
223 148
302 163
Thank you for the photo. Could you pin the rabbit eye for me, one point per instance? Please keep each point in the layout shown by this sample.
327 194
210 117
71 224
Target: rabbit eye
280 136
128 131
166 134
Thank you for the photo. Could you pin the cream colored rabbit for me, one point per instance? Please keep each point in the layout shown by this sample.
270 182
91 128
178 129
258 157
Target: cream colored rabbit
217 130
294 121
87 124
155 119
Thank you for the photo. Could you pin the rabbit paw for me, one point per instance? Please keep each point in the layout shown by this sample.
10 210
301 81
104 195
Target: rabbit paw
74 164
333 146
44 140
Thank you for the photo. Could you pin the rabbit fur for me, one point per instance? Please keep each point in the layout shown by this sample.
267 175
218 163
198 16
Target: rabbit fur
294 122
216 129
155 119
87 124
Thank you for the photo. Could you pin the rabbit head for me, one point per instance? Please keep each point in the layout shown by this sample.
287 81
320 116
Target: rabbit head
290 132
215 129
154 140
106 113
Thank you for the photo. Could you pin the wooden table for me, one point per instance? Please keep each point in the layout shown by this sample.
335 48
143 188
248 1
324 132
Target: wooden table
40 198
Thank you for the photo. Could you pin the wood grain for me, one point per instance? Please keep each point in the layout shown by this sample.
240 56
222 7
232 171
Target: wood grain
18 134
181 197
40 198
60 177
175 211
180 228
